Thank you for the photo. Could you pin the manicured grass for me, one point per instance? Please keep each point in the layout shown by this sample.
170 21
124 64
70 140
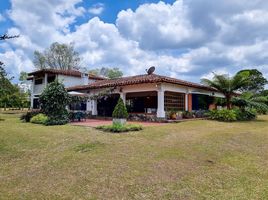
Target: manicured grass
189 160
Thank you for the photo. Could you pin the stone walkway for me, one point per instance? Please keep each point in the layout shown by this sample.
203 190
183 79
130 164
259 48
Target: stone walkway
98 122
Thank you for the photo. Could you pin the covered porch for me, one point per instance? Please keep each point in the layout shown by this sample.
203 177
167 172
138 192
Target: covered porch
151 101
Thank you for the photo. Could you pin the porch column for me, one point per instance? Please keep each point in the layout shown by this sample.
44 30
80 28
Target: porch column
123 96
186 101
94 107
190 102
32 93
45 79
160 104
88 105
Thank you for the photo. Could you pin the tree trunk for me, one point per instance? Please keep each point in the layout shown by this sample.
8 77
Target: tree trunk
228 102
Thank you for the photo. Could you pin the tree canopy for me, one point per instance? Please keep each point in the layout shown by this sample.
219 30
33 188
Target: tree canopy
57 56
256 80
23 76
10 95
107 72
54 100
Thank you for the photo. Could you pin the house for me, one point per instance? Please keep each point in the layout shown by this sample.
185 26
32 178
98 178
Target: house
39 80
148 95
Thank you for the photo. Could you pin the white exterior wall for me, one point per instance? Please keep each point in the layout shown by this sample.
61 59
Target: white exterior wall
68 81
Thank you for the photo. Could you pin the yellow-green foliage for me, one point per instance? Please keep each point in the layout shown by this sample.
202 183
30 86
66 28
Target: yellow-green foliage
39 119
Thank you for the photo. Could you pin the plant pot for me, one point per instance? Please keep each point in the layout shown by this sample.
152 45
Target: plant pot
173 116
121 121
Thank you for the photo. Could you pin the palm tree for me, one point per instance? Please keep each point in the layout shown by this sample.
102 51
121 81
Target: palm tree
227 85
248 100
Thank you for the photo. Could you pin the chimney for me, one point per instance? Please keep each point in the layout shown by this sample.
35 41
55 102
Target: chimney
85 79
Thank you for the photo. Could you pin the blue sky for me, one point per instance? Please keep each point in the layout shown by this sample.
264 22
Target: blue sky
187 39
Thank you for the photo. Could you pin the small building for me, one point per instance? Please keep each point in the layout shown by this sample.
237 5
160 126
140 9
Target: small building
149 95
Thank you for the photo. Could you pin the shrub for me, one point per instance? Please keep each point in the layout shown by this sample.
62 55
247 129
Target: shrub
246 114
200 113
187 114
39 119
54 100
27 116
223 115
118 128
120 110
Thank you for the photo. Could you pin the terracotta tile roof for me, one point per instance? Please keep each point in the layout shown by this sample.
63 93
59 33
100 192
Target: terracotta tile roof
132 80
74 73
94 77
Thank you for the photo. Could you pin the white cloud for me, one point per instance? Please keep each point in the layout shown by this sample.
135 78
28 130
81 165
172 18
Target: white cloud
96 9
159 26
172 37
16 61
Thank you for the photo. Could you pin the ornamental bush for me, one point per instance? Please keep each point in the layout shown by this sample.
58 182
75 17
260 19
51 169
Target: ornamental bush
27 116
120 110
246 114
223 115
233 115
54 101
39 119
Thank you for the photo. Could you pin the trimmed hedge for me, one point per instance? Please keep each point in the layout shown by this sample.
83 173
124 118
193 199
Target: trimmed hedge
120 110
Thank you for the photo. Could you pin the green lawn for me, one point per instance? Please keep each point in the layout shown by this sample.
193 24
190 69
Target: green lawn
189 160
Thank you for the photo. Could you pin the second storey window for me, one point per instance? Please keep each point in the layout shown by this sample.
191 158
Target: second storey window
38 81
51 78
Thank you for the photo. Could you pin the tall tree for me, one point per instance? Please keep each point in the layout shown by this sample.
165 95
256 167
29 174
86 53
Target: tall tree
39 60
256 82
57 56
227 85
23 76
107 72
6 87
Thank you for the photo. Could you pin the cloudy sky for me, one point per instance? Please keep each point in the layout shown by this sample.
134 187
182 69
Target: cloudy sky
187 39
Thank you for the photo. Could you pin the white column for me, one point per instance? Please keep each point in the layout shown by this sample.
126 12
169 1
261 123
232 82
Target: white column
89 105
45 79
123 96
160 103
94 107
186 101
32 93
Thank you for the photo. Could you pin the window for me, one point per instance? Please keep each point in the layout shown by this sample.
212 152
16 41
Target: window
38 81
174 101
51 78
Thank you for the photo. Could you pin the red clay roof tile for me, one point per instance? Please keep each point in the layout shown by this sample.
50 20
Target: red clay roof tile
139 79
74 73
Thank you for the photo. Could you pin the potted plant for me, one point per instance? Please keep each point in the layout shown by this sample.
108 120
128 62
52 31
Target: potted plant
120 113
172 114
